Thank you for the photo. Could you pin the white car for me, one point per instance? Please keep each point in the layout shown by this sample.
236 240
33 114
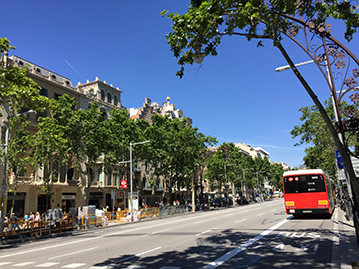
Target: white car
276 194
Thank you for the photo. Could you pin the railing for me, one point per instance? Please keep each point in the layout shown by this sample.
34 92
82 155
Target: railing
34 229
22 228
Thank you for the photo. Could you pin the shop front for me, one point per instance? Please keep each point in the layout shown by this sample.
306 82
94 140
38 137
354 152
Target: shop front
68 201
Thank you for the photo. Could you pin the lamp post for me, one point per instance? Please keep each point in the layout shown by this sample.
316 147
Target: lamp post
6 146
131 187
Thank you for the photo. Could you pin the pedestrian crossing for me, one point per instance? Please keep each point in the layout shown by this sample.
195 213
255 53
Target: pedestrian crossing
70 265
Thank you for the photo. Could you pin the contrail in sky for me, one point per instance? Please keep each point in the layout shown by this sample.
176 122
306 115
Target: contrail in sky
73 68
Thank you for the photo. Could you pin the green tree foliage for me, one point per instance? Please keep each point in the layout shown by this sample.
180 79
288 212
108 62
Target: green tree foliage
81 139
18 94
175 148
201 29
314 132
229 165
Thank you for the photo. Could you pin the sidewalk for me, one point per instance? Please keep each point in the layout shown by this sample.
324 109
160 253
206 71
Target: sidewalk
347 246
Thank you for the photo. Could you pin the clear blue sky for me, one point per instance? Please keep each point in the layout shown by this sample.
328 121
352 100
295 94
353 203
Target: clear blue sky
236 96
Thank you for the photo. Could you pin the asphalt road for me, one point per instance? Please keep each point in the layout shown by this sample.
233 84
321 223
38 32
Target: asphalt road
253 236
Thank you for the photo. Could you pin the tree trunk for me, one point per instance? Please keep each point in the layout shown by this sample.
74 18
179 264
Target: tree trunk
84 183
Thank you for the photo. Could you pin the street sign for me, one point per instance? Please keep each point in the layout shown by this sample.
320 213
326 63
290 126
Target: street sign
123 184
340 161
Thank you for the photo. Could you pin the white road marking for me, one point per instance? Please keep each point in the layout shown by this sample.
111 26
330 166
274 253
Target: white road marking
47 264
203 232
72 253
280 246
43 248
5 263
260 214
157 232
23 264
137 255
73 265
234 252
238 221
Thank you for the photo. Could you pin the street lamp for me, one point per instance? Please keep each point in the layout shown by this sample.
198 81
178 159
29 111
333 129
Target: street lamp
131 187
6 145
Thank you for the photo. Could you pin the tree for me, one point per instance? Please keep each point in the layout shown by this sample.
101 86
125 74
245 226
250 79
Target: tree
198 33
175 148
313 131
18 93
275 175
224 167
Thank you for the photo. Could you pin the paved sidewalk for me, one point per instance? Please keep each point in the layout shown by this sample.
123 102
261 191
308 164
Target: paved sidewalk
348 248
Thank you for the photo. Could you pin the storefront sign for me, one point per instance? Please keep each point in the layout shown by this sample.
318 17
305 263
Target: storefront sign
68 197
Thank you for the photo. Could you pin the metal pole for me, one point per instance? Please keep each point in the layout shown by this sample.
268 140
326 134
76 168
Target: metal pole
131 202
131 193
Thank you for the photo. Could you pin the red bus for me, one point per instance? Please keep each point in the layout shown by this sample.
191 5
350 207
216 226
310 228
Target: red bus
307 192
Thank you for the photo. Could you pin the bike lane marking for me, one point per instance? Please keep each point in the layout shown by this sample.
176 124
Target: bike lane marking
234 252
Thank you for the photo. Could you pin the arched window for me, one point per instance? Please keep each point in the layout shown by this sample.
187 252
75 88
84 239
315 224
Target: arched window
115 101
102 95
109 98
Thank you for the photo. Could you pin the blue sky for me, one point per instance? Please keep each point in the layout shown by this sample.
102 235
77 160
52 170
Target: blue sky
236 96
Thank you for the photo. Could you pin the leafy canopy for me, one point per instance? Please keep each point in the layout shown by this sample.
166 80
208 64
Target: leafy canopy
201 29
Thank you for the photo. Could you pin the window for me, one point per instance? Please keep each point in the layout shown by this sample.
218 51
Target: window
43 92
109 98
115 101
102 95
57 96
109 178
55 167
70 174
90 174
63 173
99 175
304 183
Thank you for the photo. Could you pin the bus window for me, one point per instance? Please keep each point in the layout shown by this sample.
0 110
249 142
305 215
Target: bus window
304 183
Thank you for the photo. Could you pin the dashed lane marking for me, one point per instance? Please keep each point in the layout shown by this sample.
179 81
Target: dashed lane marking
73 265
47 264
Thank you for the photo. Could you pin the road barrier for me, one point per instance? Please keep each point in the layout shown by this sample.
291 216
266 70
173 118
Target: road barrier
34 229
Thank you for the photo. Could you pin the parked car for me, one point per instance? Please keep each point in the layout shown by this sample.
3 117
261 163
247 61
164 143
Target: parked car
276 194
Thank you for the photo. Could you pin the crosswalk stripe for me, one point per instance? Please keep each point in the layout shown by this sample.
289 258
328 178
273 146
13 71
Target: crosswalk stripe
47 264
23 264
73 265
4 263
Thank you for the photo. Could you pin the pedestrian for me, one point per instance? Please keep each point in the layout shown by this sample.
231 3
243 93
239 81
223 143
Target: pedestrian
31 216
37 220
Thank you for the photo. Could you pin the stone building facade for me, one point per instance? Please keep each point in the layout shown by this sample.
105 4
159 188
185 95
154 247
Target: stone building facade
105 189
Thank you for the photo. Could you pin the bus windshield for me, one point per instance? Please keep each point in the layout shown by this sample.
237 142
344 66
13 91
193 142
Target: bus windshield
304 183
